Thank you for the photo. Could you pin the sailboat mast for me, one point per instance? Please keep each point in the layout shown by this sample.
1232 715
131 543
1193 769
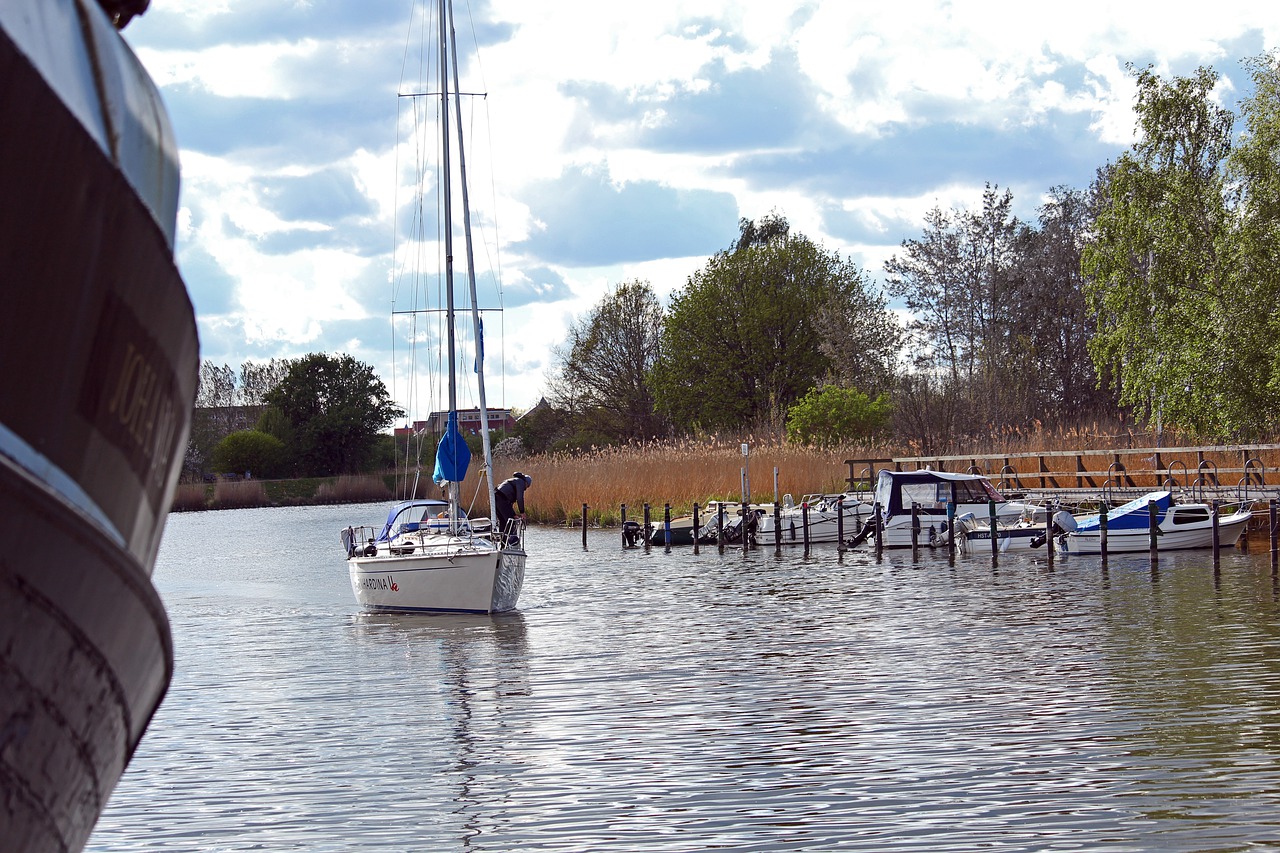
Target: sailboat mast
471 279
446 201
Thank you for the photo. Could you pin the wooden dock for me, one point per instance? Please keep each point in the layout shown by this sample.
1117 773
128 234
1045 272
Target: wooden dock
1227 472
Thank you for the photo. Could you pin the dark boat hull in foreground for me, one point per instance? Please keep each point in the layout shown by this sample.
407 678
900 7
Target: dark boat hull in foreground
99 353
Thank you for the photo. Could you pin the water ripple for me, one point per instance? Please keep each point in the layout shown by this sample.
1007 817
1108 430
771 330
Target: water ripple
642 701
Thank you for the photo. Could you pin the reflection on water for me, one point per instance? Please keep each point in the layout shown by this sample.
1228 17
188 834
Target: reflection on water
646 701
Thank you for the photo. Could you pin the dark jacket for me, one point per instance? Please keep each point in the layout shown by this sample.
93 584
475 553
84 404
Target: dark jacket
513 490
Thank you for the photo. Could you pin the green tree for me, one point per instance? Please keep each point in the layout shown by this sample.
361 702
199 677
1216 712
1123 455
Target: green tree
740 344
1160 264
249 451
603 368
831 416
335 407
1254 174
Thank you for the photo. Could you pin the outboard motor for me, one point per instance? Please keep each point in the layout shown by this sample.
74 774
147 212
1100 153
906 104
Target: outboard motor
632 533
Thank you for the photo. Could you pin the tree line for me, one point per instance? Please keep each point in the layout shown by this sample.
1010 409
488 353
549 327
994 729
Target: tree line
1151 294
314 416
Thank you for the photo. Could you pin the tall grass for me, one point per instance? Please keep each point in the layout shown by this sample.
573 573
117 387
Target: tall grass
190 497
684 471
353 489
677 472
231 494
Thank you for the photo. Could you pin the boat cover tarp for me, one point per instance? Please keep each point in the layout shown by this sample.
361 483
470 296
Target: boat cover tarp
453 457
1131 516
896 490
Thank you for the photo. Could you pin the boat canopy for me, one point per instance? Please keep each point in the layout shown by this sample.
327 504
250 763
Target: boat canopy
1130 516
408 516
896 491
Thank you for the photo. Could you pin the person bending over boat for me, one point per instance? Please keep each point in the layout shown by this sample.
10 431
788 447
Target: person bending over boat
510 493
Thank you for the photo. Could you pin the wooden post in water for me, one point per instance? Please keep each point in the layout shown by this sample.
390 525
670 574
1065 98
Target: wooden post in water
697 530
915 531
995 546
1217 540
1274 533
840 526
1048 532
666 527
1153 526
647 531
804 519
879 533
624 527
951 530
720 525
1102 531
584 527
742 529
777 517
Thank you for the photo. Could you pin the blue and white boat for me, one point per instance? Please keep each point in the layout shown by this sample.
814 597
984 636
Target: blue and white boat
430 556
1179 525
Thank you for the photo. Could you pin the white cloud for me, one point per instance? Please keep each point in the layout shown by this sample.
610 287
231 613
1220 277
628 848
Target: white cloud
870 114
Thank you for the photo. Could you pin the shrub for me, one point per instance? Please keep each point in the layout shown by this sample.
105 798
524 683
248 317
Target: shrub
249 451
831 416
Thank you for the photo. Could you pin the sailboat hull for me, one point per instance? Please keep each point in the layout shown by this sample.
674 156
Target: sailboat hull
478 581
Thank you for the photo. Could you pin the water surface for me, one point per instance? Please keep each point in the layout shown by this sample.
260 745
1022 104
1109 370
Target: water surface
645 701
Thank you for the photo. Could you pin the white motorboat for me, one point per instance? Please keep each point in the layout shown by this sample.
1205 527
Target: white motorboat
827 517
937 497
1179 525
429 556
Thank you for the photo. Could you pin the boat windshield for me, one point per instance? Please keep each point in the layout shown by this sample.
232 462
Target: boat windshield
412 516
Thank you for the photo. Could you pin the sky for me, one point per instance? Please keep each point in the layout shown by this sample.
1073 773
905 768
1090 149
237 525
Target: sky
620 141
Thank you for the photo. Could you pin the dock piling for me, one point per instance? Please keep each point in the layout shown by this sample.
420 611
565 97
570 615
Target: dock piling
697 529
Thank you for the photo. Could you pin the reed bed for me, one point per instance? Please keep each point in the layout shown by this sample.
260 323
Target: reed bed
363 488
697 470
190 497
234 494
680 473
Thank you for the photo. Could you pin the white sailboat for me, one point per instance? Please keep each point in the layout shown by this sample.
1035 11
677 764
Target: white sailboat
429 556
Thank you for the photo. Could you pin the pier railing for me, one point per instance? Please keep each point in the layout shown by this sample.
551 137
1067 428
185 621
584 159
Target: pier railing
1241 469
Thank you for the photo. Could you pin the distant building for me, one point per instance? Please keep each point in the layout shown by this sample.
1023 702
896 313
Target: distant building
500 420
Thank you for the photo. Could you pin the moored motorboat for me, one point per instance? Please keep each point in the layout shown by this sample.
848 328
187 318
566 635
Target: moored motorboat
827 517
1179 525
100 353
938 499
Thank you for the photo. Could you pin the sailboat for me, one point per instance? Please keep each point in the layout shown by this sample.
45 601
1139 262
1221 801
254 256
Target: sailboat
430 556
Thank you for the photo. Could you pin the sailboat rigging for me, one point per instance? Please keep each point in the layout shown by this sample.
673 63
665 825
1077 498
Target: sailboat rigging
429 555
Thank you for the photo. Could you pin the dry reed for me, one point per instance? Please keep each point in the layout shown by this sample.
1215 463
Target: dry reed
678 472
232 494
682 472
353 489
190 497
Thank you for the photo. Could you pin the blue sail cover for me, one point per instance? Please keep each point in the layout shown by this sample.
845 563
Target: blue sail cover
453 457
